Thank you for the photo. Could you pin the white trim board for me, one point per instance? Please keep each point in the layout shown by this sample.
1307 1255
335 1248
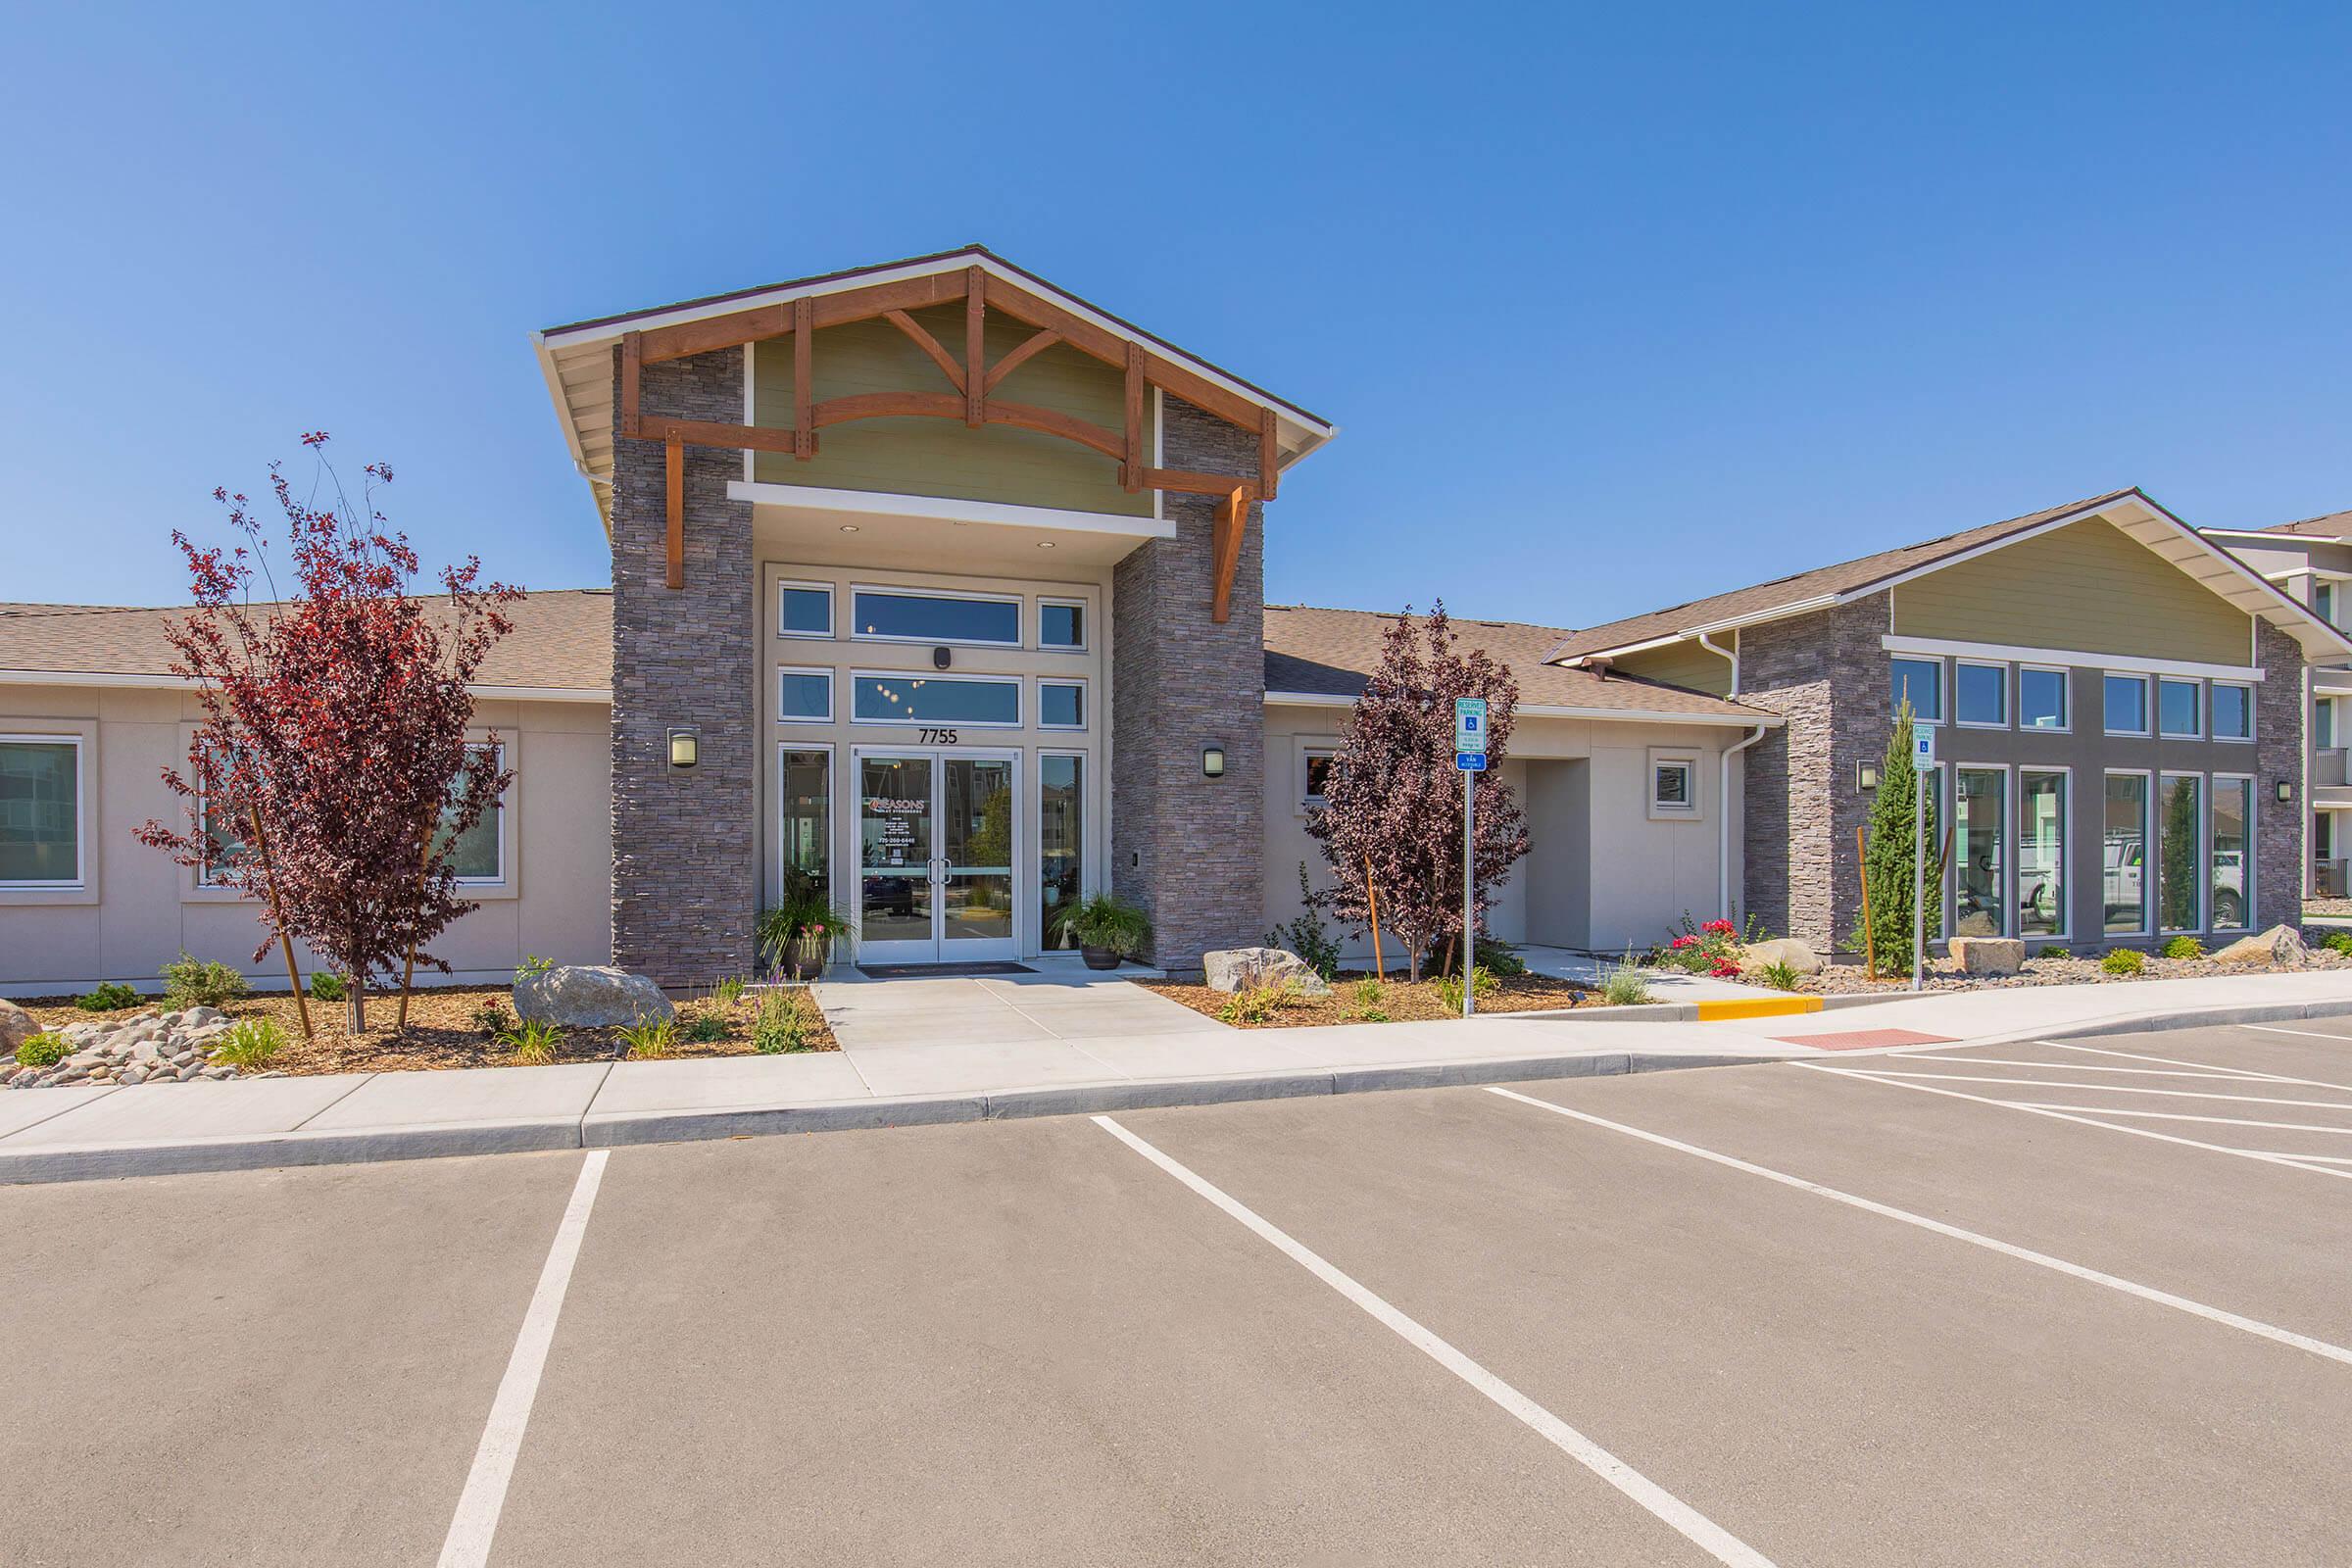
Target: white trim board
1631 715
947 509
166 682
2122 665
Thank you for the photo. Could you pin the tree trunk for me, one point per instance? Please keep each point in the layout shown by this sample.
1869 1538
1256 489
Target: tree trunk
285 944
355 999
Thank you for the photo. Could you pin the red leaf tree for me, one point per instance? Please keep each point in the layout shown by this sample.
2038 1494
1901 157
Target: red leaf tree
1393 801
332 774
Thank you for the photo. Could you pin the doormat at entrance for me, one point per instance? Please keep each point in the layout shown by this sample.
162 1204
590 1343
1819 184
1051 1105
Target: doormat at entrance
1865 1039
938 972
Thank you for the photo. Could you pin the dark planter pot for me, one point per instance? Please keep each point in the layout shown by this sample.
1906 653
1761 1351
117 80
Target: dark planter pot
1100 958
805 961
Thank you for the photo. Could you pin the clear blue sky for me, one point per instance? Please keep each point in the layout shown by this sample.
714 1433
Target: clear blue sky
1615 305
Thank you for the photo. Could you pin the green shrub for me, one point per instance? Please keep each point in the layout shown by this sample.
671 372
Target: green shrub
532 964
250 1044
1780 976
192 983
2184 948
782 1025
2339 942
327 986
1370 1006
533 1044
1307 936
44 1051
493 1020
2053 950
804 915
729 991
1107 920
1258 1003
705 1027
1449 987
2123 960
1498 958
654 1037
1625 985
112 997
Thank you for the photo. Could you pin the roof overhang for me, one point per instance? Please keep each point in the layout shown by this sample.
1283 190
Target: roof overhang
2136 514
576 359
158 681
1622 715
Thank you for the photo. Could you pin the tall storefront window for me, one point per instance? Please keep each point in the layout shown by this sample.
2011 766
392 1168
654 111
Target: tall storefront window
807 785
1060 841
1976 820
2124 852
2232 852
2181 877
2041 855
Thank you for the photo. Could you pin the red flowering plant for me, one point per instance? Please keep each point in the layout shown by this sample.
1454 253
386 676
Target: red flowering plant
1713 948
332 775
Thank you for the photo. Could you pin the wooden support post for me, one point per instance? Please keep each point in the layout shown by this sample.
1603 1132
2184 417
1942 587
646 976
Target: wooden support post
674 459
975 347
632 371
1380 969
285 943
1269 455
1131 472
1232 517
804 377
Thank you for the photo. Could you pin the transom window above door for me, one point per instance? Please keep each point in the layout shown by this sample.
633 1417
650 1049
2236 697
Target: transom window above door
912 699
906 615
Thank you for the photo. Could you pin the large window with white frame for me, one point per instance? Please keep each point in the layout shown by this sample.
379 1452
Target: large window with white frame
41 831
2126 703
986 702
479 853
2180 852
1979 695
1921 682
1673 784
2042 694
2231 708
804 696
805 609
2232 852
2125 862
2041 852
1980 840
928 615
2180 710
1060 843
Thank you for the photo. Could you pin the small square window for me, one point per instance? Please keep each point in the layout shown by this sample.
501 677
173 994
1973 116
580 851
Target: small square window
1060 624
1922 681
1060 705
2232 712
2178 708
2127 705
2042 699
1981 695
805 611
1673 786
805 696
1317 774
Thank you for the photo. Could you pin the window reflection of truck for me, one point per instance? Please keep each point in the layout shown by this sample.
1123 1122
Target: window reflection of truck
2121 874
2124 881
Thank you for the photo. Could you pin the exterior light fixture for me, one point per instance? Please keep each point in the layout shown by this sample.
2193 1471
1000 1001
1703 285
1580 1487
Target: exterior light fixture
1045 544
685 749
1213 761
2285 791
1866 776
940 658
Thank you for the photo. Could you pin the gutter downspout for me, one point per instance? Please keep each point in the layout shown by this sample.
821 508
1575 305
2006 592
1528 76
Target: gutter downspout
1723 850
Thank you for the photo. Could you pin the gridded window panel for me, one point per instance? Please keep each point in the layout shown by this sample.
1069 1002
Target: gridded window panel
2042 699
805 611
1061 624
2041 855
1981 693
2127 698
2178 707
40 811
2232 712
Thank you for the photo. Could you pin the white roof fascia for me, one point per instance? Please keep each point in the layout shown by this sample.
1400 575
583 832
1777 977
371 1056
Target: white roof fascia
1631 715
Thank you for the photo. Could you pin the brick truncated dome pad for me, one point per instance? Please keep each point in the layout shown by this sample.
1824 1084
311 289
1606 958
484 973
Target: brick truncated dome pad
1864 1038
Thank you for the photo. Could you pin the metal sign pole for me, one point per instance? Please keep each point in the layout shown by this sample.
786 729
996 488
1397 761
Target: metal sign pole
1469 892
1919 872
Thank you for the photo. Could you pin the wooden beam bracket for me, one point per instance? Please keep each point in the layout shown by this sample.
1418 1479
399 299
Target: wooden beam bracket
1233 519
674 456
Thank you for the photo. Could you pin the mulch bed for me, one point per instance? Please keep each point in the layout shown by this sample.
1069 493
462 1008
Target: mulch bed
1402 1001
442 1031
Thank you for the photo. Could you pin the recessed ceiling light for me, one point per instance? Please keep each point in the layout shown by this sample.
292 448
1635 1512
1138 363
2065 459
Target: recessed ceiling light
849 527
1045 544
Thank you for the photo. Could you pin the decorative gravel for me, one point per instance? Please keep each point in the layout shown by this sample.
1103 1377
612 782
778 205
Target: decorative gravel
1403 1002
168 1048
442 1031
1844 979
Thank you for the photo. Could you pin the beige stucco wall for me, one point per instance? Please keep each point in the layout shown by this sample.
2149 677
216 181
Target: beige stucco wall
137 909
1601 873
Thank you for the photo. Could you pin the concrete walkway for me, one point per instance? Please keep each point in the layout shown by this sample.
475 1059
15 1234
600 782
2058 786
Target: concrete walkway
1077 1048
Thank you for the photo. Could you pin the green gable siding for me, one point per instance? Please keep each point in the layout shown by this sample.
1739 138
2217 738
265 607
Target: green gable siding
1684 664
2087 587
943 456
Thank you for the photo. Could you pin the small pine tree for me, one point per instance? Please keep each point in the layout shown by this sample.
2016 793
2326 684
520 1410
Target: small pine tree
1888 860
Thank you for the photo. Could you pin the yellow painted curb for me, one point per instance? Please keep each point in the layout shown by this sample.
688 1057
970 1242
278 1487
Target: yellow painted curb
1756 1008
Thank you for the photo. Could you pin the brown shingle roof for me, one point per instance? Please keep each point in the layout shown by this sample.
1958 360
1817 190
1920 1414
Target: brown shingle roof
1330 652
562 640
1748 604
2334 525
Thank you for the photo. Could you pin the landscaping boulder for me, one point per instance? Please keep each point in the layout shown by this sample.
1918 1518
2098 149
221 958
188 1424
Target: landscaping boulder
15 1027
2280 947
1799 956
580 997
1989 954
1244 969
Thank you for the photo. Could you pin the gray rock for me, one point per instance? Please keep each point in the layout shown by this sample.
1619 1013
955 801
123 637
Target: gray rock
2282 947
81 1034
135 1075
15 1027
1989 954
1797 954
198 1018
579 997
1236 969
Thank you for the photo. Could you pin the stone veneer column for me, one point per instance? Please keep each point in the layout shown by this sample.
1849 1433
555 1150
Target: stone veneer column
685 853
1826 675
1190 850
2279 714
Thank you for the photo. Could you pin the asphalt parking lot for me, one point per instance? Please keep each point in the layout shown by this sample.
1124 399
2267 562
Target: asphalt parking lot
2027 1303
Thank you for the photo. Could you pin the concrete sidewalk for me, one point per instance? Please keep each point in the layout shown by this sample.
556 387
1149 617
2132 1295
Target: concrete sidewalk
947 1074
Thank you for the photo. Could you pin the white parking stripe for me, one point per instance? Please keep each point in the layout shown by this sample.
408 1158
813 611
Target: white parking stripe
2308 1034
2146 1292
2084 1067
2104 1089
2181 1115
2263 1156
1695 1527
485 1494
2243 1072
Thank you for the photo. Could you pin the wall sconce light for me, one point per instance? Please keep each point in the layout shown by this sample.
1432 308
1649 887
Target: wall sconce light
1866 776
685 749
1213 761
2285 791
940 658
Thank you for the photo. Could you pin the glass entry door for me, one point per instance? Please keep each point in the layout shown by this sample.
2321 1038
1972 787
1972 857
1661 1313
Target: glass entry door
934 855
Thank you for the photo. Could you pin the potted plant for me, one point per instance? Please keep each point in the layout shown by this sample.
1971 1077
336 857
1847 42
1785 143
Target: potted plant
795 938
1108 929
